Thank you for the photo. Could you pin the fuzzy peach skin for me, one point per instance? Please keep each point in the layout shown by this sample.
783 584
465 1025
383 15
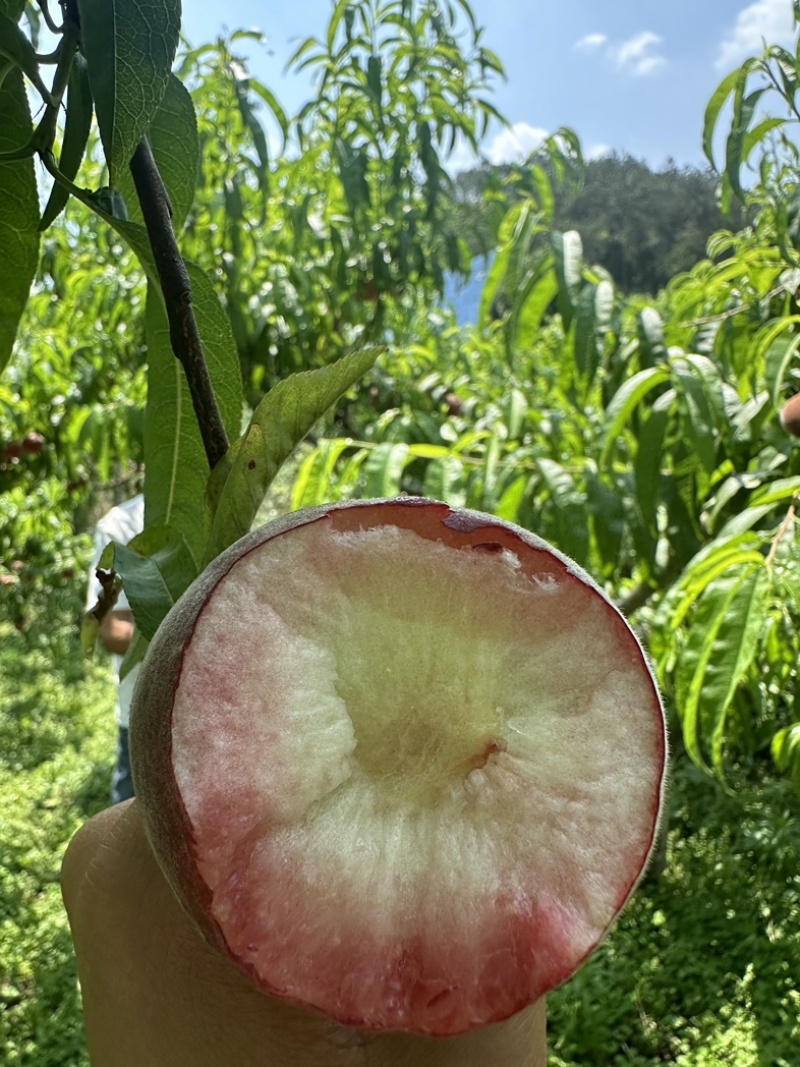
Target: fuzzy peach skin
402 763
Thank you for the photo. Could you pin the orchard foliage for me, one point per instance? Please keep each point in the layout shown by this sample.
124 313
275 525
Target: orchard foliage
642 225
640 435
298 264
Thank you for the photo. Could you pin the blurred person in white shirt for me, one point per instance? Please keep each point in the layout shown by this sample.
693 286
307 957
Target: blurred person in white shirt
121 524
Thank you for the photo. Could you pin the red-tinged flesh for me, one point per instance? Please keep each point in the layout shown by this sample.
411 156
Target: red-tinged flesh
393 830
412 971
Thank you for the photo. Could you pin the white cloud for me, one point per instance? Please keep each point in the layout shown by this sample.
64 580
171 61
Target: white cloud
461 158
598 151
515 144
591 42
764 20
639 55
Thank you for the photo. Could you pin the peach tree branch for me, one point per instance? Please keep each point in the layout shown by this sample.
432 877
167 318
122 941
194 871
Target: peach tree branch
177 290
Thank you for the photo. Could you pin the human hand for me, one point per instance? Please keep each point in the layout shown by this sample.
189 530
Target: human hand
156 995
116 631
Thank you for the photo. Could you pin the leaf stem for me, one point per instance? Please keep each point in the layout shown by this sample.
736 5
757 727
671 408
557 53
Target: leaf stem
177 290
779 536
45 133
48 18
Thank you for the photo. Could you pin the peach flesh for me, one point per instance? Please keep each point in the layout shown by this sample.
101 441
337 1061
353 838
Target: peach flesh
403 764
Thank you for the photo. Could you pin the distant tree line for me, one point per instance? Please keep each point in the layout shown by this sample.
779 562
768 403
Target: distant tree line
642 225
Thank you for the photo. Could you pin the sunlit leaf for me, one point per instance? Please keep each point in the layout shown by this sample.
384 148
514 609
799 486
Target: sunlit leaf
715 105
129 49
173 138
19 212
280 422
786 752
175 462
720 647
156 568
444 480
384 469
568 262
77 125
626 400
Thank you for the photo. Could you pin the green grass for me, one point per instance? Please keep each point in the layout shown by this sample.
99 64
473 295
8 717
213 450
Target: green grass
702 971
57 737
704 967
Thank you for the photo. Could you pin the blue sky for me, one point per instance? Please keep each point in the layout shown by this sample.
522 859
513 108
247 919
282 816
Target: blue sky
628 75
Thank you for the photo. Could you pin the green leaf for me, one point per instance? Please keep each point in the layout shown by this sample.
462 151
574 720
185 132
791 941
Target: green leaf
375 81
713 109
492 285
722 643
723 554
279 423
272 103
697 420
743 110
515 409
586 350
156 568
543 188
568 261
779 491
571 520
173 138
312 485
444 480
745 520
649 457
777 351
786 752
241 83
758 133
129 48
491 459
384 469
16 47
511 501
172 438
353 174
77 126
513 240
296 56
608 514
604 304
333 24
134 655
19 212
536 298
651 337
12 9
625 401
426 451
175 461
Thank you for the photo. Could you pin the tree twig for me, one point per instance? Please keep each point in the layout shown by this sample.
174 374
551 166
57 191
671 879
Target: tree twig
722 315
779 536
48 18
177 290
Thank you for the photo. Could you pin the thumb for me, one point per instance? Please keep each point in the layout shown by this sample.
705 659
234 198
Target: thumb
156 995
